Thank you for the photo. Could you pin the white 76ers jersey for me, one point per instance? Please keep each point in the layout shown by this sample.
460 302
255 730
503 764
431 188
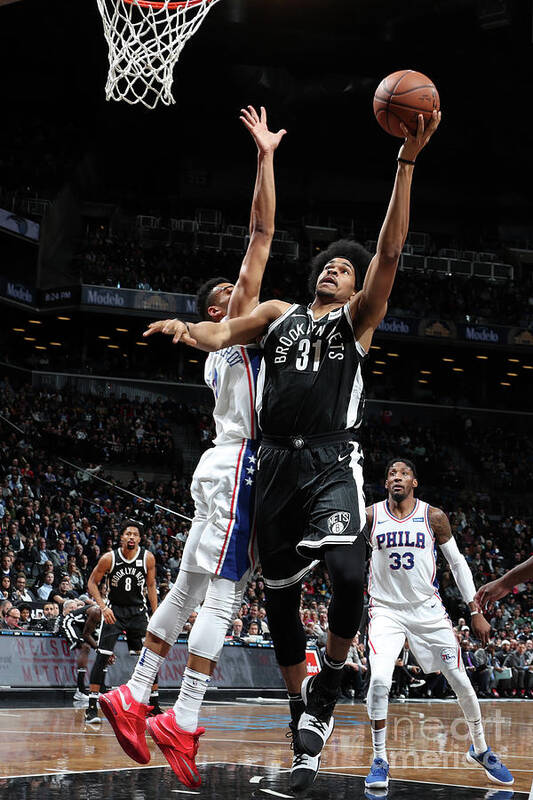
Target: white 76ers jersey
232 375
403 562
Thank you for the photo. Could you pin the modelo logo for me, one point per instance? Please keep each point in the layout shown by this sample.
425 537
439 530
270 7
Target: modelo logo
97 298
393 326
481 335
19 292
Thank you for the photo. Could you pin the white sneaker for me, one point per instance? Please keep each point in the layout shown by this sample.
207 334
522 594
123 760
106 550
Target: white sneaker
316 723
304 768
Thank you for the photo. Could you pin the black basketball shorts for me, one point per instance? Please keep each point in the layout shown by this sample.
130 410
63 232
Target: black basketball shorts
308 499
130 620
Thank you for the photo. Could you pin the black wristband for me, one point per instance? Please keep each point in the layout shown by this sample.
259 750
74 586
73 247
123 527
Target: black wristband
404 161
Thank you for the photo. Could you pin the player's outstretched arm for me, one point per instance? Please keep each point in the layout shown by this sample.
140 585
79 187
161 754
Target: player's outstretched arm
95 579
460 570
211 336
497 589
245 295
151 588
369 306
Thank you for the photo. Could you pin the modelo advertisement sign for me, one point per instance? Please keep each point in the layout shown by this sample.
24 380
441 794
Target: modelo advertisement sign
138 299
483 334
399 326
18 292
437 329
521 336
474 333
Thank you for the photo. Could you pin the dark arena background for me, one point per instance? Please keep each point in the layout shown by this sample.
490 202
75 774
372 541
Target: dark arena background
112 216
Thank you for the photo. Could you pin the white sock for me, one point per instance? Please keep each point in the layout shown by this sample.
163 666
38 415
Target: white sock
466 697
187 706
478 736
141 682
378 743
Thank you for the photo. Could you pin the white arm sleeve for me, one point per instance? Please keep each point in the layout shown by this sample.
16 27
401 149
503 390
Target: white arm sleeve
460 570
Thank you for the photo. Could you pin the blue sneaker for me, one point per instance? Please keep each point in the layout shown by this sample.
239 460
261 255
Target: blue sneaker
378 777
499 794
496 771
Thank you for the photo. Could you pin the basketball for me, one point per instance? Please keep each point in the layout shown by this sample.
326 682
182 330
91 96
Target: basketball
400 97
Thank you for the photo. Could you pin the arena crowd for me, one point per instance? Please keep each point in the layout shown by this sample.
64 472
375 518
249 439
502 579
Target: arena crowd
56 521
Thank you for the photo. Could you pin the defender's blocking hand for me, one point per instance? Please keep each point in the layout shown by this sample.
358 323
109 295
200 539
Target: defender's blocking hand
171 327
266 140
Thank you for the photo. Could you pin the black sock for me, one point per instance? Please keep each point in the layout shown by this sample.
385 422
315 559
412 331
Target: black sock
331 674
92 700
154 699
296 706
81 679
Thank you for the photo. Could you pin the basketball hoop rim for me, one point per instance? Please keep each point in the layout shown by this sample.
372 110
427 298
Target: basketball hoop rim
157 4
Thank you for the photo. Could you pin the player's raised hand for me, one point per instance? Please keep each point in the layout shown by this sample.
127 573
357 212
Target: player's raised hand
257 124
413 144
171 327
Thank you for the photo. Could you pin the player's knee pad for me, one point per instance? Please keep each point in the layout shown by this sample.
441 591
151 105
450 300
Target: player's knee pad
377 698
285 625
466 696
346 568
98 669
185 595
222 601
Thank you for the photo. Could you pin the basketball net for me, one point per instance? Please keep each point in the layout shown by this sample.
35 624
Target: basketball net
145 40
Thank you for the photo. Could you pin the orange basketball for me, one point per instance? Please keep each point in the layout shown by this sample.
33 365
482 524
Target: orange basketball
401 97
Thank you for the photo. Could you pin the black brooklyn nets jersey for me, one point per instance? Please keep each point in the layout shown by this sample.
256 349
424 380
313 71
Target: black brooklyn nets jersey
311 380
74 622
127 579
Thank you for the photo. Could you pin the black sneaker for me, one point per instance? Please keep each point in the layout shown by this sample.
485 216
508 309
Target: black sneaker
154 710
304 768
316 723
91 716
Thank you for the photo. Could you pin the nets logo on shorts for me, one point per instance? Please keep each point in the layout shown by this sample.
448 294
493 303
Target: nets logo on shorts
448 654
338 522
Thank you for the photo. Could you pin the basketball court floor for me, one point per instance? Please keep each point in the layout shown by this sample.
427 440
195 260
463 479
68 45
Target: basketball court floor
50 753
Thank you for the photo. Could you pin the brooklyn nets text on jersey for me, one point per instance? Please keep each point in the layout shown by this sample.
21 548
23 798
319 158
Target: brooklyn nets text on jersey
311 379
127 579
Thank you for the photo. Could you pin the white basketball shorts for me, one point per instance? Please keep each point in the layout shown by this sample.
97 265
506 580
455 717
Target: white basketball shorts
426 626
221 540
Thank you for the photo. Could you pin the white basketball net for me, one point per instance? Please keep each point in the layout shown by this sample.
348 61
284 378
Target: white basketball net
145 40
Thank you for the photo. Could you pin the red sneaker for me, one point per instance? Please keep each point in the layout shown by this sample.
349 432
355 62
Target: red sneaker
128 719
179 747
